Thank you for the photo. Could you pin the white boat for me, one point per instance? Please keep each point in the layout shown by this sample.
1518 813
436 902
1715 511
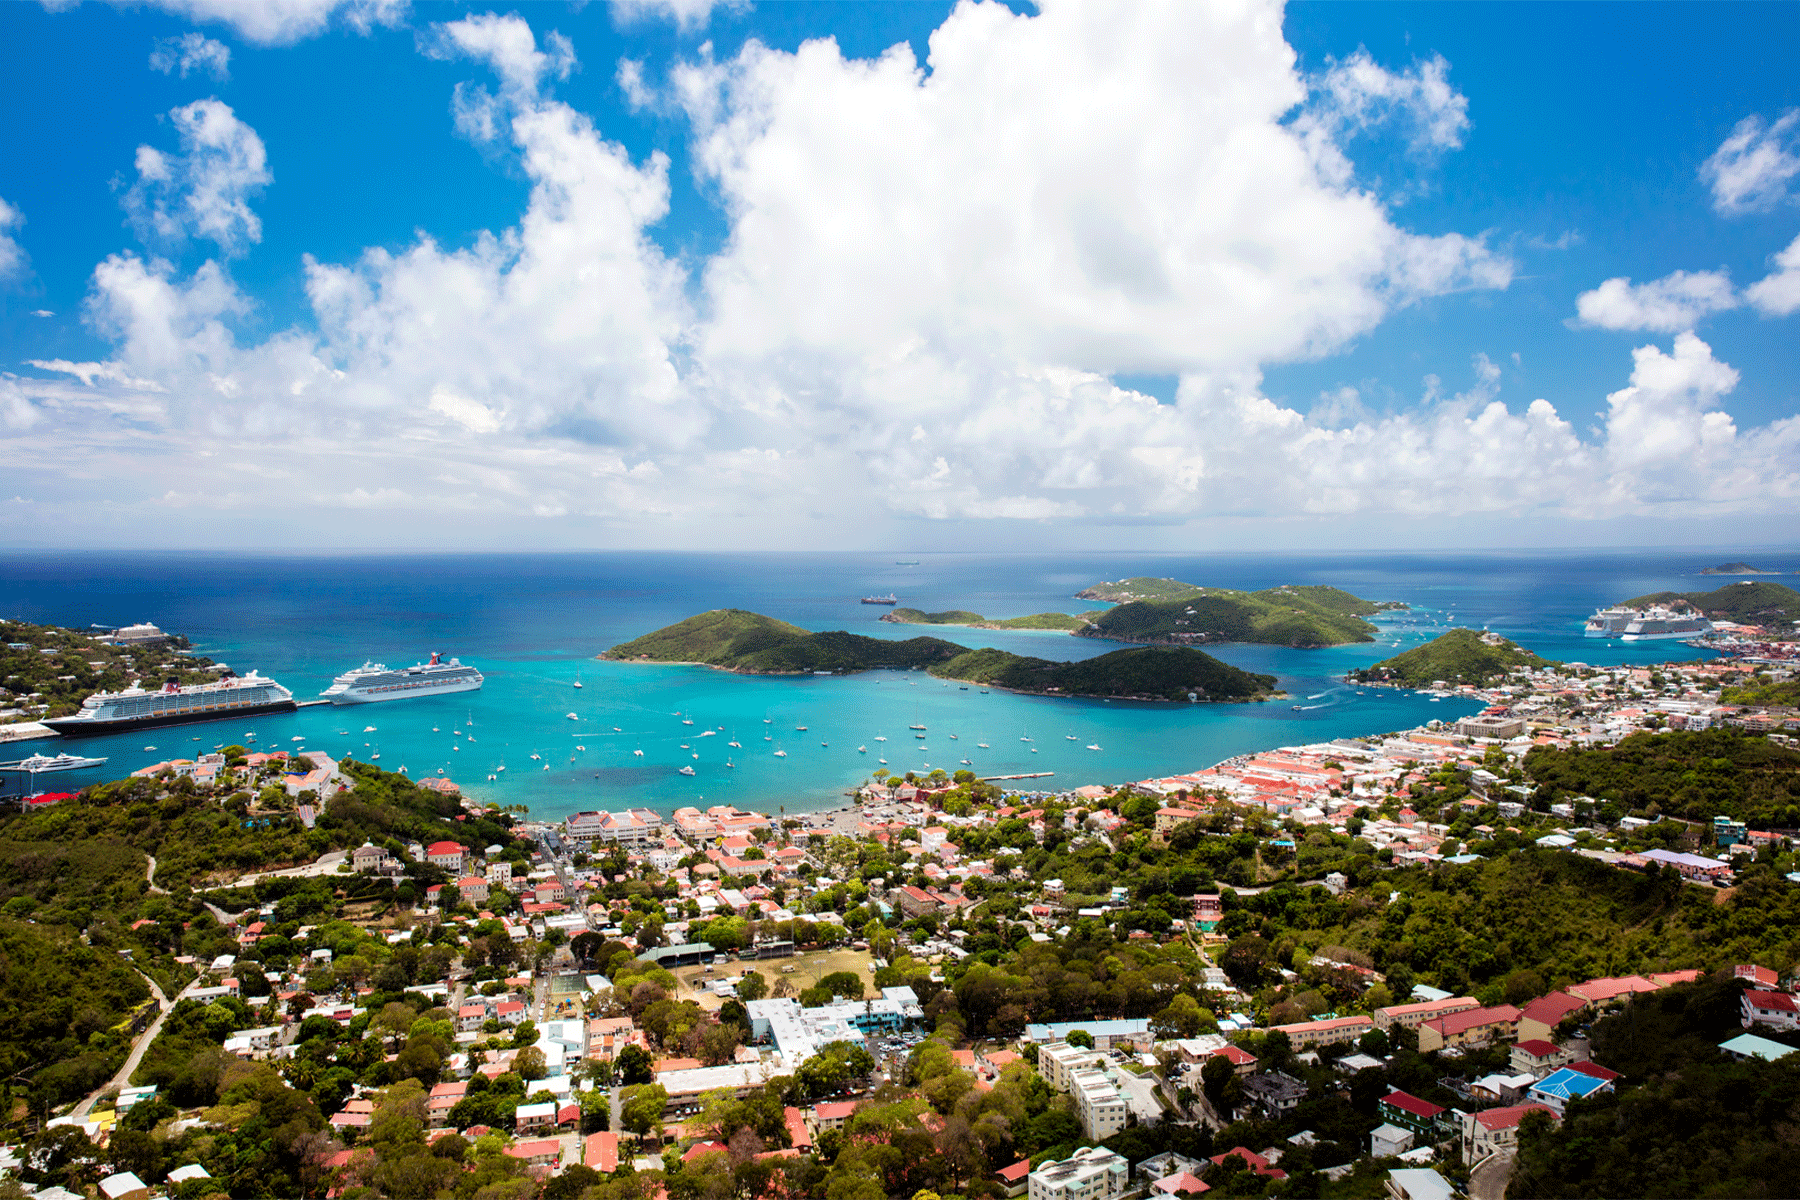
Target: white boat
372 682
708 733
1069 737
578 679
573 717
149 747
781 754
39 764
637 754
581 747
967 763
879 738
174 704
535 755
729 763
981 745
686 720
953 737
1093 745
368 729
882 761
862 749
735 744
685 771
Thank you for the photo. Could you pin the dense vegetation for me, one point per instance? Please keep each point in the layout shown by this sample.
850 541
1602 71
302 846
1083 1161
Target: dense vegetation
1748 602
63 667
1284 616
1713 772
957 616
1459 656
60 1002
1149 673
1784 694
1735 568
1684 1120
735 640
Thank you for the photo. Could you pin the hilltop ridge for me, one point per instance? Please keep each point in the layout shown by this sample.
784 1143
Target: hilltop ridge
1169 612
749 643
1458 656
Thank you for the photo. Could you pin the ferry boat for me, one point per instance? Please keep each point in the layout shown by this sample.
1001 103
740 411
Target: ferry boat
137 708
890 598
1655 623
372 682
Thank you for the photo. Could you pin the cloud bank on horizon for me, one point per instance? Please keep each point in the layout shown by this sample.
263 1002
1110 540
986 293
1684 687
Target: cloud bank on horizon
935 283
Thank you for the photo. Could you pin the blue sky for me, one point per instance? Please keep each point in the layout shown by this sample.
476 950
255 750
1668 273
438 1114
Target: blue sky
680 274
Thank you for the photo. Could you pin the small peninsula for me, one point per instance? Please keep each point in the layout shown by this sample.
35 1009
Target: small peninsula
1752 603
749 643
1061 622
1736 568
1459 656
1168 612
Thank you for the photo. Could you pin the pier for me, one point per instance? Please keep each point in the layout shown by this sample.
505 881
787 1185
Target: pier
1033 775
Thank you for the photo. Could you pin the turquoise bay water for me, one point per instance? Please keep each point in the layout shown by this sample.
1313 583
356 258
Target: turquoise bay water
532 624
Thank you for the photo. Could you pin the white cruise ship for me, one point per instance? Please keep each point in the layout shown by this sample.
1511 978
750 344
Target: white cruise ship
372 682
1647 624
133 708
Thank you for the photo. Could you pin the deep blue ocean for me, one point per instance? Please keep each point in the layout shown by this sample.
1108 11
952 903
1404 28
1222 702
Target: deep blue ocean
534 622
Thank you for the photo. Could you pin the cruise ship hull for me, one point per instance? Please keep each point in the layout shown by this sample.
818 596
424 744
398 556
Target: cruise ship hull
81 727
402 692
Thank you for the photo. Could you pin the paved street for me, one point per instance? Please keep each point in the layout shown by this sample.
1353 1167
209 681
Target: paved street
123 1078
1489 1178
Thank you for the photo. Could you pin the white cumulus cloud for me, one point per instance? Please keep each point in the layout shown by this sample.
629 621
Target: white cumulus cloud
688 15
1778 293
204 191
1357 94
282 22
1675 302
930 279
1750 170
12 255
191 52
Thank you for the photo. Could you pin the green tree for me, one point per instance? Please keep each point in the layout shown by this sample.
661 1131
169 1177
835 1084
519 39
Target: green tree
642 1109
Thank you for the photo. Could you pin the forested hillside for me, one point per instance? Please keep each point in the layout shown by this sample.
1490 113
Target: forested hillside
1693 775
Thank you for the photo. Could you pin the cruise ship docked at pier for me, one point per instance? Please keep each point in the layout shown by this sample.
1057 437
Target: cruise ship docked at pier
372 682
135 708
1646 624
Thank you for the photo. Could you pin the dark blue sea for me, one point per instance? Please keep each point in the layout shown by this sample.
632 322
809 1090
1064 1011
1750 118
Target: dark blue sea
534 622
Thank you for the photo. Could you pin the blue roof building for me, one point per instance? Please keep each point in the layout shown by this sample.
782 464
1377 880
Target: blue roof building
1559 1087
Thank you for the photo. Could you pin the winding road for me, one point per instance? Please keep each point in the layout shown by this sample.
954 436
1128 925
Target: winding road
123 1078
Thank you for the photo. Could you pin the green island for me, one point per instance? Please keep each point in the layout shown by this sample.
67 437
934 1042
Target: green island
1065 622
1736 568
1749 602
750 643
1459 656
1166 611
